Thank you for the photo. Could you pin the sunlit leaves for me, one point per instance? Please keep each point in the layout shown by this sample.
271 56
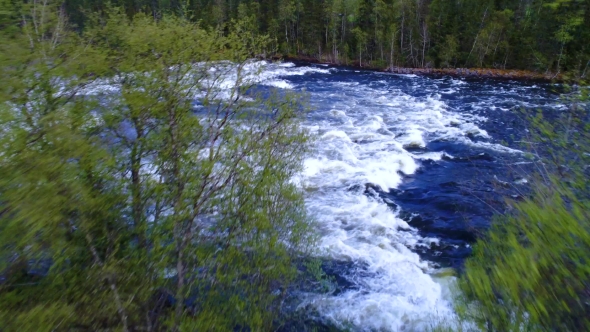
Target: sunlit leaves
149 177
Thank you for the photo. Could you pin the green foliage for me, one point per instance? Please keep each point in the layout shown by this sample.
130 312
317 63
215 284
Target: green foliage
316 272
530 272
449 52
543 35
147 185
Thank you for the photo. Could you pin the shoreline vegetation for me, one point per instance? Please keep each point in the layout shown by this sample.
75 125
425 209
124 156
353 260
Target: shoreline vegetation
149 186
531 40
493 73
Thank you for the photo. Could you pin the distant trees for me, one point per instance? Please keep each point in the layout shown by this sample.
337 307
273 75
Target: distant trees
543 35
145 185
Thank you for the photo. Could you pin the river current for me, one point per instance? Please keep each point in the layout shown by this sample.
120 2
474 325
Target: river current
405 172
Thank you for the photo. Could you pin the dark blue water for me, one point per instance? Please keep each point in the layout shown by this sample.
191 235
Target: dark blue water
407 172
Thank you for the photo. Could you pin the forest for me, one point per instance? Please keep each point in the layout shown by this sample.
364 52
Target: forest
539 35
149 183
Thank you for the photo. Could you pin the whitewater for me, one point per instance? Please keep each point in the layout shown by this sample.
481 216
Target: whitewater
404 171
382 136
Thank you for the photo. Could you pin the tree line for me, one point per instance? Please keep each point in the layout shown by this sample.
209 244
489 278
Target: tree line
540 35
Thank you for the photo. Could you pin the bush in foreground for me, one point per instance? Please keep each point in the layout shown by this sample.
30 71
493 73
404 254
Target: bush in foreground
145 185
531 272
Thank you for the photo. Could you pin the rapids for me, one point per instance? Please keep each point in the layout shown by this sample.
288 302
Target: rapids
406 170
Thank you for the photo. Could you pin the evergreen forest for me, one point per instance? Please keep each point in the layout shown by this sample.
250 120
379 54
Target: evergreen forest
538 35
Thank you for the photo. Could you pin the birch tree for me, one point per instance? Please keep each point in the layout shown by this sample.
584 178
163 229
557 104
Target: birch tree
148 185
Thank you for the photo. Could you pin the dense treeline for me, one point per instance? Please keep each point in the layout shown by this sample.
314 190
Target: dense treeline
542 35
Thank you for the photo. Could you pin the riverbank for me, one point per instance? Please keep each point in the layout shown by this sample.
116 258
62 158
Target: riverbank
510 74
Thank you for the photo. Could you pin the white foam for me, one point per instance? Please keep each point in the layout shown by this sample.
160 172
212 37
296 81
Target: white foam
434 156
449 91
407 75
491 146
365 144
286 64
396 291
363 139
282 84
220 80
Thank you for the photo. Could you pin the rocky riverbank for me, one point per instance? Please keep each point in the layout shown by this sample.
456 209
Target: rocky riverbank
479 72
512 74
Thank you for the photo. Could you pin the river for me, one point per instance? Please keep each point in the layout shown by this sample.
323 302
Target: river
405 172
